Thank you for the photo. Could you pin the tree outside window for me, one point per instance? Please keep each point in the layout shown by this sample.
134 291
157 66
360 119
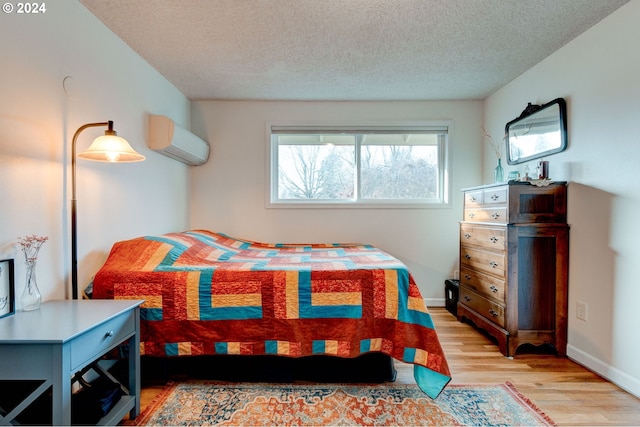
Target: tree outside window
358 168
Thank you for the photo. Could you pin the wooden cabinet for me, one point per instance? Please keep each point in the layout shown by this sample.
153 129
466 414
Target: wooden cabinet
514 263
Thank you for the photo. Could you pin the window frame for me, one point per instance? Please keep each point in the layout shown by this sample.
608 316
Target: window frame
445 127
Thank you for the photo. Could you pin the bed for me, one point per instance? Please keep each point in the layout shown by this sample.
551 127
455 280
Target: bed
207 293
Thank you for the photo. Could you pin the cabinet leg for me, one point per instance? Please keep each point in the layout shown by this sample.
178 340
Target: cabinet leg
501 335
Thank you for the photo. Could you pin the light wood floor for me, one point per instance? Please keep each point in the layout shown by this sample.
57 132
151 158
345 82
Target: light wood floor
568 393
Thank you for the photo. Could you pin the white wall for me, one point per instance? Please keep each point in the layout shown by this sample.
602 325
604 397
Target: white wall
37 121
229 192
598 74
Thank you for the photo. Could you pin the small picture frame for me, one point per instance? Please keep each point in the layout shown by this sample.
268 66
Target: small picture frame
7 288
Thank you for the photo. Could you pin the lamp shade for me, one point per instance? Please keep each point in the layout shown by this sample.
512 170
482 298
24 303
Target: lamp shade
111 148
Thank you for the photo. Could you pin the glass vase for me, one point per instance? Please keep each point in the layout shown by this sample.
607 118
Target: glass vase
498 173
31 297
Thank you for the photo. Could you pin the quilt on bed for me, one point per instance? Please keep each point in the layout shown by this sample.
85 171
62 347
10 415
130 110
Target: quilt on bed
208 293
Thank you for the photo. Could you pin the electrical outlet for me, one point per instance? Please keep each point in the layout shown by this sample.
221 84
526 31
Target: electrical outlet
581 310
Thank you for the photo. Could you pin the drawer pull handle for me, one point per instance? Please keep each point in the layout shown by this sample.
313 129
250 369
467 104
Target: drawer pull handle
109 334
493 264
467 236
467 298
493 288
467 276
495 215
472 198
493 313
472 215
494 239
494 197
467 257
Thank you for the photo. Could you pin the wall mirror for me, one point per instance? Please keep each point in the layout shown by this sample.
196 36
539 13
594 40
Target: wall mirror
540 130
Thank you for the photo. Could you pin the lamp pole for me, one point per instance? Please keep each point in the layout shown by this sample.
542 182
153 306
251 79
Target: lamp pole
74 237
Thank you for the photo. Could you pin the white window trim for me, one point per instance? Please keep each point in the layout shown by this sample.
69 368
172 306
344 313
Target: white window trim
271 171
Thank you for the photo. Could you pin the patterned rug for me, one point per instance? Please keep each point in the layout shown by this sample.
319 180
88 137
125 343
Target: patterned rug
212 403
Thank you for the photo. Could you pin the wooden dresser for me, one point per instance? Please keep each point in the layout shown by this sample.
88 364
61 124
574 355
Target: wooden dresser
514 263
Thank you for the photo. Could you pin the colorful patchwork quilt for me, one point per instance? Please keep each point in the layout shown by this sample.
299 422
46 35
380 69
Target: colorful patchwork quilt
207 293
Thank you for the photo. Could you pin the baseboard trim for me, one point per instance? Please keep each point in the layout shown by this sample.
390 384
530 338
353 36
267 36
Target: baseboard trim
434 302
616 376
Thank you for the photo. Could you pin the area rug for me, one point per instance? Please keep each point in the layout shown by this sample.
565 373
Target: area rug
249 404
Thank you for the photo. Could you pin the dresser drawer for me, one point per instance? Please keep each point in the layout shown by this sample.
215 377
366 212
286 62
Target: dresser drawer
485 307
494 196
488 262
487 237
96 341
496 215
473 199
483 283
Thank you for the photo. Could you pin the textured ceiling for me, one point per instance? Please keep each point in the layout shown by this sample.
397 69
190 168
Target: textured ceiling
346 49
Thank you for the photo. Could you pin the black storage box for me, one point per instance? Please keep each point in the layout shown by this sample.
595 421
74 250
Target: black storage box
451 292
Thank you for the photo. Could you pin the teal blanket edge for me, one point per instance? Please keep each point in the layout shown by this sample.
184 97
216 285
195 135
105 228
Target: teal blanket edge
431 382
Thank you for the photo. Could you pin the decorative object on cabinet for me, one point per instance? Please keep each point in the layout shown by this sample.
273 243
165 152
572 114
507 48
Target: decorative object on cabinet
31 297
7 288
514 264
498 149
498 173
540 182
107 148
539 131
543 169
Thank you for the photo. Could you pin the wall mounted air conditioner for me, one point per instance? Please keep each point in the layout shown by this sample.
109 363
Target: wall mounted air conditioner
170 139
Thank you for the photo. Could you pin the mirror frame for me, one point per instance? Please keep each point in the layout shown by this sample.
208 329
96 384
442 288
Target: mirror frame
529 111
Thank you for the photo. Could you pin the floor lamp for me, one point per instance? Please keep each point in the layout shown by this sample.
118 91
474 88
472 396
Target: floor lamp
106 148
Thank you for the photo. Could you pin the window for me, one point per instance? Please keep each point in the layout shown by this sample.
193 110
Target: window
358 166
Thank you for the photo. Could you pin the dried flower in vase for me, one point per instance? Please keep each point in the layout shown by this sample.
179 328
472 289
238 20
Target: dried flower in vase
498 149
31 297
31 246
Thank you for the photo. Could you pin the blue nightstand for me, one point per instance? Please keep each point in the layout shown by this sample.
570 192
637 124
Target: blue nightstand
61 338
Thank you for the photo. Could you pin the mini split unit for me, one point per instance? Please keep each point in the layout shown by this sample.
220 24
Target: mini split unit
168 138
